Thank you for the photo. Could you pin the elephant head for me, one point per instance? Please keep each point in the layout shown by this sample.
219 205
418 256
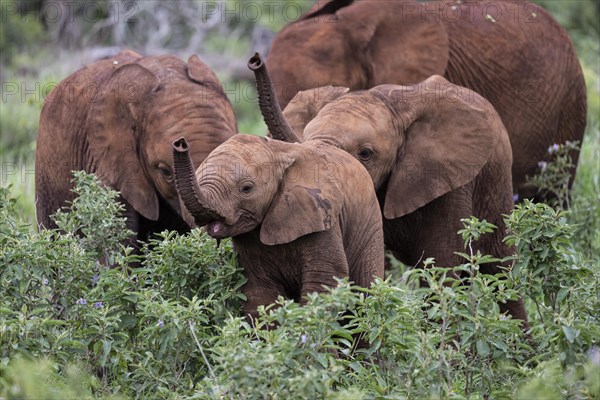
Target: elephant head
116 118
417 142
142 108
345 43
250 181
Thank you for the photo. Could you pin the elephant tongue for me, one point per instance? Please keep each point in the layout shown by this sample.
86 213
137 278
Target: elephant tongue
215 229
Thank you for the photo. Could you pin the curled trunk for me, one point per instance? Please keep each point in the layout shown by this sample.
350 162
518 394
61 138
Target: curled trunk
267 101
187 186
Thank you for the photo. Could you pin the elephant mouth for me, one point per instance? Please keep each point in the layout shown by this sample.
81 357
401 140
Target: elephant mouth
220 227
217 229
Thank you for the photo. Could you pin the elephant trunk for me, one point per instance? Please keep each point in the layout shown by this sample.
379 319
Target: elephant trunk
186 184
267 101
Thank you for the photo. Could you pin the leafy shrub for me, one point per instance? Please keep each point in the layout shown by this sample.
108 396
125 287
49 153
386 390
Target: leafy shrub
554 176
173 328
557 281
59 301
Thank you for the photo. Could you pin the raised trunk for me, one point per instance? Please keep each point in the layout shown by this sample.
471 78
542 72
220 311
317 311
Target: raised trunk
187 186
267 101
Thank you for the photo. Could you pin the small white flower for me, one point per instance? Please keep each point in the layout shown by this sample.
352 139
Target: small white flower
553 148
303 338
542 165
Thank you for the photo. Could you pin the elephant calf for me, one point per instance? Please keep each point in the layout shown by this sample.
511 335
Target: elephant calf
298 214
117 118
435 152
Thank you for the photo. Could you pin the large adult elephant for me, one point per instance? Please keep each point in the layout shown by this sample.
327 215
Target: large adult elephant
511 52
117 118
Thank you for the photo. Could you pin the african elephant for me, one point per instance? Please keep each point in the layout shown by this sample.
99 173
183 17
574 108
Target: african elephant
117 118
298 214
436 153
512 53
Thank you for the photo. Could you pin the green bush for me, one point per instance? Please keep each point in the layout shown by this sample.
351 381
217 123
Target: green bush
61 303
173 327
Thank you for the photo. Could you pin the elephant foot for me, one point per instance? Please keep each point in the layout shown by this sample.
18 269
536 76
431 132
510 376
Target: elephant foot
516 308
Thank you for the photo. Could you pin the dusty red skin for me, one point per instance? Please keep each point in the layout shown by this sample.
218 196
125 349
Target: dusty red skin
512 53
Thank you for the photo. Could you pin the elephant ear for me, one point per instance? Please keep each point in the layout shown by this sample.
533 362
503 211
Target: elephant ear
448 135
126 56
403 43
306 105
200 72
325 7
113 131
303 205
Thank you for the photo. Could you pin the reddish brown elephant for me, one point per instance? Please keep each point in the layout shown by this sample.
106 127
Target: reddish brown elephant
117 118
511 52
435 152
299 214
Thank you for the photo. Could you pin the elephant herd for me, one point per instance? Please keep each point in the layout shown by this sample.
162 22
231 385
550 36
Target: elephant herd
399 120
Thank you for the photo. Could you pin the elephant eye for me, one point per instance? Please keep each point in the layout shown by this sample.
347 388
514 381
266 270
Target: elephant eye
365 153
246 188
165 172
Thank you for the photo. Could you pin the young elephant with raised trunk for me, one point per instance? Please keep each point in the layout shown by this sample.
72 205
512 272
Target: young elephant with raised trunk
436 153
298 214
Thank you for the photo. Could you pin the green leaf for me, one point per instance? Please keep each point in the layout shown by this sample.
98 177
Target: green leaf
562 293
570 333
106 347
483 349
128 321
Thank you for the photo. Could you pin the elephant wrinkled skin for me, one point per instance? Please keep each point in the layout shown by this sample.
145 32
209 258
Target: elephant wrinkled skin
436 153
117 118
513 53
298 214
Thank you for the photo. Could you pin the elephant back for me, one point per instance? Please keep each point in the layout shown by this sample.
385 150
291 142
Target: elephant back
524 63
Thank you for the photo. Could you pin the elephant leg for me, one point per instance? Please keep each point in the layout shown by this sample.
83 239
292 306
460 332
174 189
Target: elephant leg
259 290
324 260
438 238
440 223
516 308
321 259
264 283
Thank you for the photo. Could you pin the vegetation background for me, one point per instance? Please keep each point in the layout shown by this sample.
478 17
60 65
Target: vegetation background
170 329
